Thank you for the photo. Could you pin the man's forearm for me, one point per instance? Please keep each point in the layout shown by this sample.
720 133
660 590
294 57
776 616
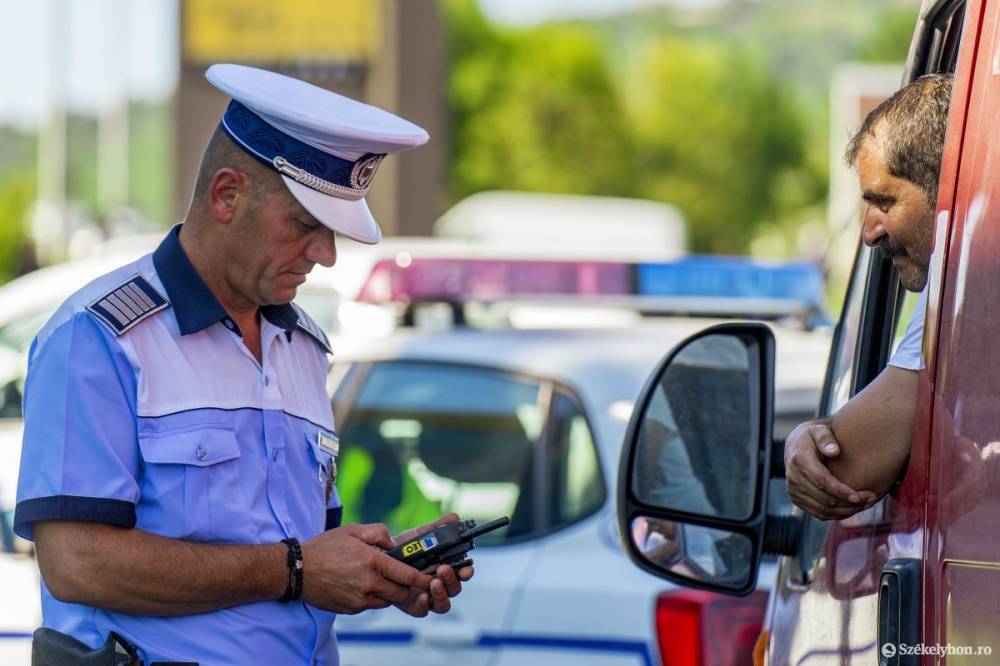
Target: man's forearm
139 573
874 430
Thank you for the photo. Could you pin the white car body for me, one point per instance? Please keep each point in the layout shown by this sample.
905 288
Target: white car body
568 597
571 596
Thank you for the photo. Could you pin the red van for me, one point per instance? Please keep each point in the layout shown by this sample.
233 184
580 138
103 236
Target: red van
915 579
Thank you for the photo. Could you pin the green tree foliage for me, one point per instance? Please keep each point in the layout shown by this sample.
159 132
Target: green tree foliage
17 192
718 136
889 39
694 122
722 111
533 110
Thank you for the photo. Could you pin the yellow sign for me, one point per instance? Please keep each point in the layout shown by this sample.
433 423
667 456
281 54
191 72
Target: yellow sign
412 548
291 30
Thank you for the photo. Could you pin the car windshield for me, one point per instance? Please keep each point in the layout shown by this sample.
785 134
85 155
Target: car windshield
17 335
424 439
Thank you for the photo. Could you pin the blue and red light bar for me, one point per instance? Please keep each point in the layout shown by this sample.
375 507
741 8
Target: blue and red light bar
700 284
457 280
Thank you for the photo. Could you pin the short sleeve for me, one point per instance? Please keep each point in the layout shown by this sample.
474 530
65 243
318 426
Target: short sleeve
79 457
908 355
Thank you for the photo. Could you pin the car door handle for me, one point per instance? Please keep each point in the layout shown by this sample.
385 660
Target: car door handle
448 633
899 605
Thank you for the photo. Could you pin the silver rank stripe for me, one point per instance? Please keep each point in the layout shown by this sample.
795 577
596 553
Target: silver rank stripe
128 304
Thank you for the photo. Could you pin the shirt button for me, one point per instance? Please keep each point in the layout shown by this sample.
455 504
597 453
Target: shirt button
200 453
267 381
274 454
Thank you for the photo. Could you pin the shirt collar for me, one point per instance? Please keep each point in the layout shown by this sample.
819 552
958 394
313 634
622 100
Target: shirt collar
194 305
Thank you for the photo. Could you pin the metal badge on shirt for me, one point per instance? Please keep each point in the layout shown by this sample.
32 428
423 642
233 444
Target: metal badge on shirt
329 443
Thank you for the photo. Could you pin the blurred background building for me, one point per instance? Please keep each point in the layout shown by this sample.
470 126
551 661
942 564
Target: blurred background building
385 52
732 112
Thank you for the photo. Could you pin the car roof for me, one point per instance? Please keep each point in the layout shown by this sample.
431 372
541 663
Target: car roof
48 287
603 365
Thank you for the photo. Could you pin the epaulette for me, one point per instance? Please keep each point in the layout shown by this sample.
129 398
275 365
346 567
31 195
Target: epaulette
306 323
126 305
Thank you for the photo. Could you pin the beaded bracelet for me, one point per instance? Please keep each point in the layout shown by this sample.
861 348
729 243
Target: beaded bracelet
294 589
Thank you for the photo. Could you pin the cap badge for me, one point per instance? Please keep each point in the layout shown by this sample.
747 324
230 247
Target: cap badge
364 171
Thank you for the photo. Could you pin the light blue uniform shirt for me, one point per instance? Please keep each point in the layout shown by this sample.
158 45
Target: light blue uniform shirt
144 409
908 354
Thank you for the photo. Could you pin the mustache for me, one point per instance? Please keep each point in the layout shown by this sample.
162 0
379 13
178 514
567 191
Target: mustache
890 249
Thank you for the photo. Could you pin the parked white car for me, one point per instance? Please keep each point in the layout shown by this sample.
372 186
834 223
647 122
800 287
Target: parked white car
529 424
525 423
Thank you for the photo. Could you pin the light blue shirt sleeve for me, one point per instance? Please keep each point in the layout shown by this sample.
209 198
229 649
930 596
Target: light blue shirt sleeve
908 355
79 458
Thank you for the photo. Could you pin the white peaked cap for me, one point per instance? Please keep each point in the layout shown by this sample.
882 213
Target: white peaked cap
327 147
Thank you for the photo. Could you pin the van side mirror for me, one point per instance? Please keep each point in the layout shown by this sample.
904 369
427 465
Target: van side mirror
692 486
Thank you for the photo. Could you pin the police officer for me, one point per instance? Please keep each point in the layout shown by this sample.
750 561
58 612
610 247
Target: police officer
177 473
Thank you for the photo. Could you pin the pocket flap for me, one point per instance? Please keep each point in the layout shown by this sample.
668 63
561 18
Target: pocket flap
200 447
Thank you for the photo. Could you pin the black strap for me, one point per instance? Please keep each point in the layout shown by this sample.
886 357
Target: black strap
293 592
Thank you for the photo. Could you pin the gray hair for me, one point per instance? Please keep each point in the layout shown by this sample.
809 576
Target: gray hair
222 152
911 127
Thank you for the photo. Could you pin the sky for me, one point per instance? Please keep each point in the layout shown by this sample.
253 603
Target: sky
89 52
92 53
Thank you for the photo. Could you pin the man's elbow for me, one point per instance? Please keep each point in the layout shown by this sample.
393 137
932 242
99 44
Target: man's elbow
877 466
879 477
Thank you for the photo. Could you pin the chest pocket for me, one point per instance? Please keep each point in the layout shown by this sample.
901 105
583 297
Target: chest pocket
191 486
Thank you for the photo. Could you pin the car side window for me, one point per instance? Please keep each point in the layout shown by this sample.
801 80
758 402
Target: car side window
576 487
840 374
837 390
423 439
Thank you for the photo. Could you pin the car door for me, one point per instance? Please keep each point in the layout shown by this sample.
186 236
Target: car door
583 602
962 556
826 610
420 439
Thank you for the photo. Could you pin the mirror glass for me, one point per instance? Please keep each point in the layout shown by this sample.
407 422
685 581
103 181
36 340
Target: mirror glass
698 553
696 451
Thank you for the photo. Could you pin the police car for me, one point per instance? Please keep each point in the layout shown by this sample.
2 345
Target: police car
536 410
527 421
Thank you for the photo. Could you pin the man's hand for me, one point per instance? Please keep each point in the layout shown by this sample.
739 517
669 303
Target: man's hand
446 583
347 571
811 486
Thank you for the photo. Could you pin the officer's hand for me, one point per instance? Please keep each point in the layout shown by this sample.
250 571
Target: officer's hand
346 571
447 582
811 486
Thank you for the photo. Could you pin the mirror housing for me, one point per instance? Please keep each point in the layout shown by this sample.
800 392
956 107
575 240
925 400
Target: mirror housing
719 552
